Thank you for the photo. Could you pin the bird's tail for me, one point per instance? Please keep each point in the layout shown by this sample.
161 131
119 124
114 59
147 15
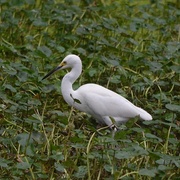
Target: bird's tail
144 115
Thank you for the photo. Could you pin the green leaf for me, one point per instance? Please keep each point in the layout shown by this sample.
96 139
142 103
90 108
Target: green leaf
60 49
81 51
108 167
152 136
8 86
92 72
23 165
82 171
30 150
38 137
10 71
173 107
39 23
58 156
155 66
123 155
115 79
59 167
45 50
4 162
23 139
163 168
148 172
59 113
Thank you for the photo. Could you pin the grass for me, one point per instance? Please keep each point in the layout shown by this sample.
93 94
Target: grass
131 48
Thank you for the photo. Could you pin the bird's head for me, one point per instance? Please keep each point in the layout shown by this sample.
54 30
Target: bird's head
68 62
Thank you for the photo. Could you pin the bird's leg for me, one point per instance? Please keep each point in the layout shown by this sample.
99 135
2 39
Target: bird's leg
113 125
114 129
110 121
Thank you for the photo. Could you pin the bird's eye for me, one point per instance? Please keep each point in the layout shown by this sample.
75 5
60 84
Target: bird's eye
63 63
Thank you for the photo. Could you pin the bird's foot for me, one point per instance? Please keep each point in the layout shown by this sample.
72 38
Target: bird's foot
114 127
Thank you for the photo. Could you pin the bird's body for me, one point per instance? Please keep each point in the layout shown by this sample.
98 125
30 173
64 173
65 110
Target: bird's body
102 103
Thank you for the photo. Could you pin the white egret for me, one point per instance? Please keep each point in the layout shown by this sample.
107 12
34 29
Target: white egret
103 104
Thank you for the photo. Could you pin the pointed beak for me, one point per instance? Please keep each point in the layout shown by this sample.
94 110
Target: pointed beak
51 72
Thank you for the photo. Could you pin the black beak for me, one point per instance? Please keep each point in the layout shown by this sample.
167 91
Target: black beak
51 72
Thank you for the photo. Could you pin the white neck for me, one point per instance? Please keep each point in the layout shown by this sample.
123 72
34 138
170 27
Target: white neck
67 82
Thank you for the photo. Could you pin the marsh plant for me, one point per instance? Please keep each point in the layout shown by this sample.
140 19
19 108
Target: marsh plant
130 47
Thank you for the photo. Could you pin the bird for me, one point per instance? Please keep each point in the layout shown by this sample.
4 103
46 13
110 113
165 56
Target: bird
106 106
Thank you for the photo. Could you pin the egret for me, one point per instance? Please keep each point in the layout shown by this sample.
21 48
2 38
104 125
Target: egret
106 106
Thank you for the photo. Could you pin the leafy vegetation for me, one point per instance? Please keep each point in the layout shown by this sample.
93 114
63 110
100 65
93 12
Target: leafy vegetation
130 47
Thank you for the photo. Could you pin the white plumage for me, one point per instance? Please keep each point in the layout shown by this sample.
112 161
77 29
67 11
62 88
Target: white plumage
102 103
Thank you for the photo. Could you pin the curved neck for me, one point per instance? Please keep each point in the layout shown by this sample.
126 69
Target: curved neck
67 82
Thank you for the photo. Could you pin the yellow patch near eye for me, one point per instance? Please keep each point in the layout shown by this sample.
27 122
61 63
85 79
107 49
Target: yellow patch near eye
63 63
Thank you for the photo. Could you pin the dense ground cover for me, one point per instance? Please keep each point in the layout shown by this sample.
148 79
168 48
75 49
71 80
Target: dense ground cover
130 47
